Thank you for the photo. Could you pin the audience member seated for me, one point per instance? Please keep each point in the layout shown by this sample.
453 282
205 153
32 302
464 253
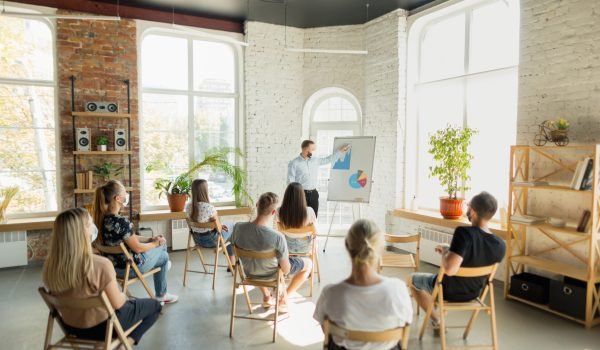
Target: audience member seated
257 236
365 301
72 271
294 213
200 210
148 253
473 246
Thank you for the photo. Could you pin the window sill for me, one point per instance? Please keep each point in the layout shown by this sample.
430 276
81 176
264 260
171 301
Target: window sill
47 222
435 218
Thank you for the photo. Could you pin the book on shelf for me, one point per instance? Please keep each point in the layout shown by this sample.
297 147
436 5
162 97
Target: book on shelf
583 222
582 178
586 183
531 183
527 219
85 180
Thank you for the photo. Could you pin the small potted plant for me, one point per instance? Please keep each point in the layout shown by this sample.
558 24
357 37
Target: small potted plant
107 171
102 142
561 130
452 160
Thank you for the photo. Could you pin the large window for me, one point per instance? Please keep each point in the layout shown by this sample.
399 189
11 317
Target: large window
333 112
189 105
27 114
467 76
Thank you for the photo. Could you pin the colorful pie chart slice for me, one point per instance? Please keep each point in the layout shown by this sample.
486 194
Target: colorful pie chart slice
358 180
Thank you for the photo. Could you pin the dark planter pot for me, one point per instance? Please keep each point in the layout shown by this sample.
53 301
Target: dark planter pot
451 208
177 202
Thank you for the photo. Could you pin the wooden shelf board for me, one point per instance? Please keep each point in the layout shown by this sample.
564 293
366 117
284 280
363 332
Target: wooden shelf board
25 224
547 227
159 215
546 308
554 147
101 153
100 115
80 191
551 188
551 266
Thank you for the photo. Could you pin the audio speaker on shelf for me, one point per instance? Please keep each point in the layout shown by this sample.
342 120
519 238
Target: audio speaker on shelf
83 139
120 140
94 106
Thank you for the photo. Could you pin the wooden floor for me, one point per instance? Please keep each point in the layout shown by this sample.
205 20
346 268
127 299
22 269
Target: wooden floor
200 319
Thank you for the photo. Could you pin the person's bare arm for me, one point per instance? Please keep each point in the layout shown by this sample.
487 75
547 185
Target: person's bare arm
450 261
116 298
285 265
134 243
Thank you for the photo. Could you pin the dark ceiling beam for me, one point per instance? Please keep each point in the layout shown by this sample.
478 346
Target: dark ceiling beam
131 12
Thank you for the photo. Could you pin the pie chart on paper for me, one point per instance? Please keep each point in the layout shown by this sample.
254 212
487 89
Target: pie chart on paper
358 180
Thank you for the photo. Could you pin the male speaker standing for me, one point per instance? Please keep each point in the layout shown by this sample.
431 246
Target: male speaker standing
304 169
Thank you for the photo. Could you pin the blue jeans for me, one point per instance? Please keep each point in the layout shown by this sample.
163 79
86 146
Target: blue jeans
157 257
209 239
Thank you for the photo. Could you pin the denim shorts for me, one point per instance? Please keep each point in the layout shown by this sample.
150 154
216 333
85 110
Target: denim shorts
424 281
297 264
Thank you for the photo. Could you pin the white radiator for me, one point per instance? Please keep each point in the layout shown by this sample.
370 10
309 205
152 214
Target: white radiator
13 248
179 234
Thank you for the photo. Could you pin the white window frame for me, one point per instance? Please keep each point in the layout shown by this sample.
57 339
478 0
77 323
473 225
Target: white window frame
418 25
150 28
57 126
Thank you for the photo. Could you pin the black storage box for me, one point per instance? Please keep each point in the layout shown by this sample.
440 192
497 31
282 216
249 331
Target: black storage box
569 297
530 287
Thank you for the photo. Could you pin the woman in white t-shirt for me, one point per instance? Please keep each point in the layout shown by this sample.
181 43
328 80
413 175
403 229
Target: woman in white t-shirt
200 210
365 301
294 213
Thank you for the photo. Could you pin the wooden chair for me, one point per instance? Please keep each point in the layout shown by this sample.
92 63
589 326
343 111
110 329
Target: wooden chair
126 280
410 261
69 341
277 284
305 233
192 247
475 305
399 335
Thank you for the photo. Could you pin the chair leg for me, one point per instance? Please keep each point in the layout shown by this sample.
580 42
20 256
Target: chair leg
109 333
317 263
442 320
276 315
493 320
216 266
224 250
247 298
233 296
425 319
143 281
126 278
201 259
470 323
49 328
187 257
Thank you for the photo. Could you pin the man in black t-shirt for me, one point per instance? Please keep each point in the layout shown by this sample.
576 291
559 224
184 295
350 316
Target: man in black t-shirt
473 246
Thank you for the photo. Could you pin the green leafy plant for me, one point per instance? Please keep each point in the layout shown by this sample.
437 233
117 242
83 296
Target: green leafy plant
452 160
561 124
107 170
102 140
6 196
216 159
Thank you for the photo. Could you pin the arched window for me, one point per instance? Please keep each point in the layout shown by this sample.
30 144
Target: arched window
27 114
328 113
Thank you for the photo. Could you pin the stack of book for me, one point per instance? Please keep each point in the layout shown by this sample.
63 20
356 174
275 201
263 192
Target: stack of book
583 176
85 180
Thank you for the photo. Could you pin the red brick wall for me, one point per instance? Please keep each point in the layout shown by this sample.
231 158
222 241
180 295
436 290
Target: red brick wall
100 54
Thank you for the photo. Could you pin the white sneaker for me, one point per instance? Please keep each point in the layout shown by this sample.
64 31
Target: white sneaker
169 265
168 298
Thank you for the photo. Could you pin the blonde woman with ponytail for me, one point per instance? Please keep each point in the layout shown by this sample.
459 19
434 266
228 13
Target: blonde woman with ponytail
72 271
365 301
147 253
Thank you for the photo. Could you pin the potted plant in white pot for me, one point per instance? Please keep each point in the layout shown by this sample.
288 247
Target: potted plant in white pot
450 150
102 142
178 188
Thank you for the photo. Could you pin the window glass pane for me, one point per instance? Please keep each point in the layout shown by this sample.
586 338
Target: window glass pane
164 130
25 49
492 109
214 127
494 36
335 109
164 62
214 67
440 104
28 147
443 49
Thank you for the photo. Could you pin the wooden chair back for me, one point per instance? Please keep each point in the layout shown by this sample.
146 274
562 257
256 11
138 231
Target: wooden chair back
211 225
71 342
404 239
399 335
306 232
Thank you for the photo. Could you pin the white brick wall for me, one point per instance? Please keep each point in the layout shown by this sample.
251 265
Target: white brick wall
559 69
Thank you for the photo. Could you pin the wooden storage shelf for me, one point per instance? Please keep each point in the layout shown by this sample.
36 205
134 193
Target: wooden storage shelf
548 309
81 191
551 188
100 115
551 266
564 230
101 153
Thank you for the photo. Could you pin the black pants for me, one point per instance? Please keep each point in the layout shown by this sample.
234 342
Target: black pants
333 346
129 314
312 200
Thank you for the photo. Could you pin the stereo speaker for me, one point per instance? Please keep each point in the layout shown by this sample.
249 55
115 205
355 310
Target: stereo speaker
94 106
83 139
120 140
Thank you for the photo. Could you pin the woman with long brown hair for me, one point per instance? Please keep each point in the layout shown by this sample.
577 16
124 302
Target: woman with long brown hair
294 213
200 210
147 253
72 271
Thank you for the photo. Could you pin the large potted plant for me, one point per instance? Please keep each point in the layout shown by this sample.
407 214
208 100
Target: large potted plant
178 188
107 170
450 150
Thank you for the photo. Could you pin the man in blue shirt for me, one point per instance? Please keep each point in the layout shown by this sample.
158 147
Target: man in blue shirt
304 169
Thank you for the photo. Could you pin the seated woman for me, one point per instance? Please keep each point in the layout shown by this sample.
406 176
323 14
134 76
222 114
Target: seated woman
148 253
365 301
294 213
72 271
200 210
